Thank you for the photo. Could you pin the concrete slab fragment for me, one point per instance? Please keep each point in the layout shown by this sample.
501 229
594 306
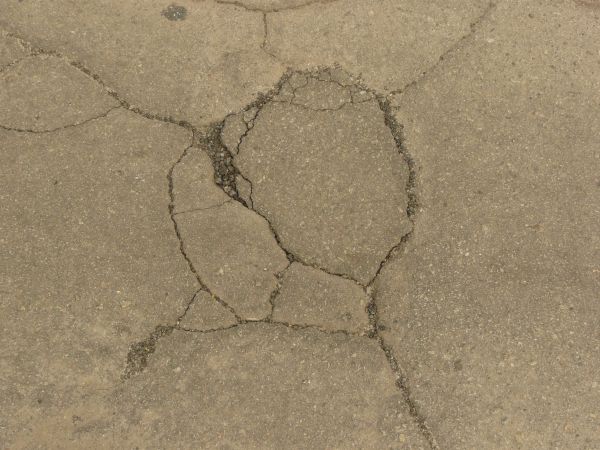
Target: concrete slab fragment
332 183
206 313
309 296
254 386
235 254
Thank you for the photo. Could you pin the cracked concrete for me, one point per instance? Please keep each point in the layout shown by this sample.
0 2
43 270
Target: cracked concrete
344 221
207 245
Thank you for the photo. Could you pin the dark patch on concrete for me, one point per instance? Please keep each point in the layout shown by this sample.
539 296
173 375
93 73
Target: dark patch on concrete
174 12
137 358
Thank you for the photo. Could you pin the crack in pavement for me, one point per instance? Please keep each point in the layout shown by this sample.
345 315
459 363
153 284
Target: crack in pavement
371 309
34 51
202 209
473 27
139 352
242 5
180 239
64 127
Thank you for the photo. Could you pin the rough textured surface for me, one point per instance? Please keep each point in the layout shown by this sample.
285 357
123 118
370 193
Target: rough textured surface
206 313
235 254
388 42
134 255
310 296
197 69
45 93
493 309
331 182
10 50
79 281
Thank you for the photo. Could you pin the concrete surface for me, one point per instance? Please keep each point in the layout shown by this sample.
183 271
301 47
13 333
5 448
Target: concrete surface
300 224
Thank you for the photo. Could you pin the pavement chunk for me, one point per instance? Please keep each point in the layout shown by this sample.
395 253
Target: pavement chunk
331 183
256 386
235 254
309 296
206 313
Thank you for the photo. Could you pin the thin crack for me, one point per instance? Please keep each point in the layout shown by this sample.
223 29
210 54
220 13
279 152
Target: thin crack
265 43
242 5
180 239
473 27
15 62
64 127
401 380
296 326
210 330
202 209
189 305
34 51
275 293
